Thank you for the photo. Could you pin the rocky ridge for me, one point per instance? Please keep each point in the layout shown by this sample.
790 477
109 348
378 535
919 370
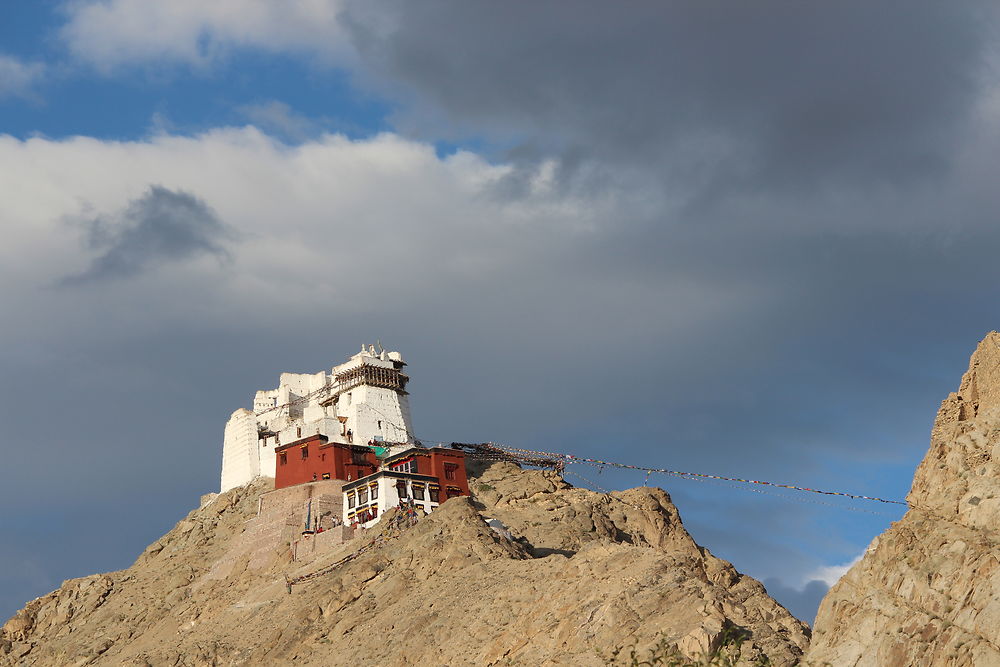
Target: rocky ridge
927 591
565 576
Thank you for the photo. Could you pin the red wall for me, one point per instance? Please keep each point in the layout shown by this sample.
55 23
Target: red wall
439 457
432 462
338 460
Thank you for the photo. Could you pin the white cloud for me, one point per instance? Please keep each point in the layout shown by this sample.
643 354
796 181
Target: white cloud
17 77
280 118
310 217
829 574
380 225
113 33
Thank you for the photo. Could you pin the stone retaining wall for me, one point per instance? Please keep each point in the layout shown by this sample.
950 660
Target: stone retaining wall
280 524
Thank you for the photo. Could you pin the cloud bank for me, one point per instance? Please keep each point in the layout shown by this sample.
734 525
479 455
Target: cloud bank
116 34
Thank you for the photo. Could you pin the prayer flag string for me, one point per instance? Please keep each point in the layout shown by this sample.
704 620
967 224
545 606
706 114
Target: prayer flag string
561 460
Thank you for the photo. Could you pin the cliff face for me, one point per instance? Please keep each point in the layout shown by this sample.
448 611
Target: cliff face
927 591
564 576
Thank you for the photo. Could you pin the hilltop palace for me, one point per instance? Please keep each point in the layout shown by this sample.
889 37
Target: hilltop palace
360 401
342 443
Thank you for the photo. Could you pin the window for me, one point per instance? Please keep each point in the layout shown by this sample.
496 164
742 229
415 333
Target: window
363 495
282 458
374 488
449 470
401 488
326 475
322 457
350 499
435 494
418 491
358 457
409 465
453 492
305 451
380 424
298 431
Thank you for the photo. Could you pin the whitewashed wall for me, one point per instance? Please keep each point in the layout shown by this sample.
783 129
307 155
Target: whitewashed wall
371 412
240 459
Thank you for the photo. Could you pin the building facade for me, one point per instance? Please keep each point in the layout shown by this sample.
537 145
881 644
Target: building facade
360 401
422 478
315 458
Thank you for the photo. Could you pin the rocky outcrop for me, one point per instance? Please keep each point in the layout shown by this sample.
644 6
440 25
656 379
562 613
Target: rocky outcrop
529 571
927 591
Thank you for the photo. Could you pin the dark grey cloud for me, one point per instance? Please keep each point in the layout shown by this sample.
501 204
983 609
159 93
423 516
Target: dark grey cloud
161 226
774 94
797 236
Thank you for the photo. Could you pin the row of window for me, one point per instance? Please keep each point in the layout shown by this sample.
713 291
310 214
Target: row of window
409 465
360 496
356 458
283 456
420 492
433 493
364 514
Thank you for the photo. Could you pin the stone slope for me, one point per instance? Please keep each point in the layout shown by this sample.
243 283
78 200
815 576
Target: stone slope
927 591
571 577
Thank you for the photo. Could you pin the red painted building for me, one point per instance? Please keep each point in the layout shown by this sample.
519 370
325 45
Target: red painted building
316 458
447 464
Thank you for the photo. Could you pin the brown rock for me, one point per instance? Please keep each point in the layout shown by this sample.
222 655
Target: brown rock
927 591
572 577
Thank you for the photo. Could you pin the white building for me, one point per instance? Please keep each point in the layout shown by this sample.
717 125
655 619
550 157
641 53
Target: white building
368 498
359 401
417 477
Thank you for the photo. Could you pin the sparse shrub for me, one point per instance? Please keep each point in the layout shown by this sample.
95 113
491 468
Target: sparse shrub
665 653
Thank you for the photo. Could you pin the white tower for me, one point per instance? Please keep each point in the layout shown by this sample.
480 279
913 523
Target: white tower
360 401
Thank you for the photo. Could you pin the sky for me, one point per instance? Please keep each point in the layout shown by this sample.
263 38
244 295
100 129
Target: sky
754 240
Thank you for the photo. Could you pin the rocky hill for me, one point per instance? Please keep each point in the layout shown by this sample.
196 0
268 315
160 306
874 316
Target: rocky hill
927 591
560 576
